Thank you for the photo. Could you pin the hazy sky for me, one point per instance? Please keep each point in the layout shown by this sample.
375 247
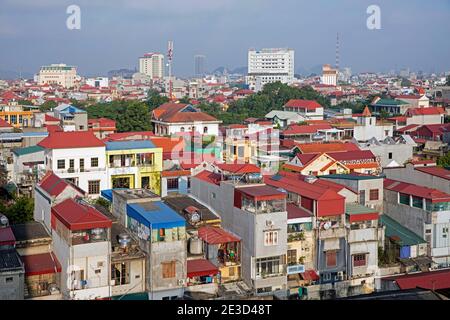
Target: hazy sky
114 33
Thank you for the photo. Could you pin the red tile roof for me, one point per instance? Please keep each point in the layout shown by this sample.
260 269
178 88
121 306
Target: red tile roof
434 195
209 177
5 124
306 104
352 155
201 268
174 112
410 127
305 129
215 235
71 140
433 280
262 192
295 212
7 237
54 185
44 263
326 147
76 216
238 168
424 111
50 118
435 171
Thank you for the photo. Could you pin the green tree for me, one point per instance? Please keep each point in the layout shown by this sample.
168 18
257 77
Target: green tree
154 99
405 82
20 211
185 100
444 161
48 105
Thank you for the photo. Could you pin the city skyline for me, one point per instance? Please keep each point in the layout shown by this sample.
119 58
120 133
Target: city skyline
32 34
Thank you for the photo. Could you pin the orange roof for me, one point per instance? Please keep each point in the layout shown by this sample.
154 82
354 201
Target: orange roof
71 139
366 112
168 144
176 173
327 166
292 167
326 147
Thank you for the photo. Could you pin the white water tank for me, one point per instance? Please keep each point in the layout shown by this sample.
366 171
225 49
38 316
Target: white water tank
196 245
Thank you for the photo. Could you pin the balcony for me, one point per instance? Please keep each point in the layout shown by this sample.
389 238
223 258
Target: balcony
338 232
361 235
78 170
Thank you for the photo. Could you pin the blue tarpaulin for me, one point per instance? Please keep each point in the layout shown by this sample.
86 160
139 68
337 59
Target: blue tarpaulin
405 252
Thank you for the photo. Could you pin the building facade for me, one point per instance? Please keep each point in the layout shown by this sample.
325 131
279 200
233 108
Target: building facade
60 74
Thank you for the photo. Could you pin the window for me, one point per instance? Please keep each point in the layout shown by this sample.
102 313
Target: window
268 266
71 164
292 256
172 183
205 129
94 162
404 199
417 202
61 164
9 279
182 129
362 197
81 165
94 187
331 259
270 238
373 194
390 155
120 273
189 182
359 260
98 271
168 269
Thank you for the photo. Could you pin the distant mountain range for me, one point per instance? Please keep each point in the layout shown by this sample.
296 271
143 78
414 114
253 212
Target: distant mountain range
317 70
12 75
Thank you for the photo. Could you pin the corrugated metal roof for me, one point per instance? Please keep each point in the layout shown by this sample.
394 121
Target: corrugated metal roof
27 150
395 229
129 145
155 215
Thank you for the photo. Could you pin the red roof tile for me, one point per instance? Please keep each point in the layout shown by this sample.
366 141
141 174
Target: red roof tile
238 168
54 185
295 212
306 104
435 171
71 140
352 155
424 111
5 124
436 196
174 112
76 216
7 236
305 129
201 268
44 263
433 280
215 235
326 147
209 177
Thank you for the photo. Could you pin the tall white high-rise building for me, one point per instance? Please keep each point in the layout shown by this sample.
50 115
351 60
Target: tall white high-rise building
152 64
269 65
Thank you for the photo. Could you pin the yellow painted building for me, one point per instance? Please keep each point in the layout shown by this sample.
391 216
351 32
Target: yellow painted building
16 116
134 164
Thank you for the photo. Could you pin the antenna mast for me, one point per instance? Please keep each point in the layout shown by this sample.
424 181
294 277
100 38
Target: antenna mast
337 52
169 60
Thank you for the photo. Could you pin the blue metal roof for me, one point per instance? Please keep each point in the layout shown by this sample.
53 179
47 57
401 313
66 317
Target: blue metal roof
35 134
155 215
129 145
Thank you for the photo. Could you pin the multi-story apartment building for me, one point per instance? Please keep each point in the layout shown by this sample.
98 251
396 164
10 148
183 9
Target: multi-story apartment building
71 118
78 156
268 66
162 236
82 243
309 109
423 210
134 164
59 74
257 214
16 116
152 64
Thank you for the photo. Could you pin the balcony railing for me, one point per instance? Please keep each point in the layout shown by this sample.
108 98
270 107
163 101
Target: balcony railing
78 170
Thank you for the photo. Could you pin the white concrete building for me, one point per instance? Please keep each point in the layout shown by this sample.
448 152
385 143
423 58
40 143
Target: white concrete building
367 128
78 156
152 64
172 118
329 75
98 82
82 243
269 65
59 74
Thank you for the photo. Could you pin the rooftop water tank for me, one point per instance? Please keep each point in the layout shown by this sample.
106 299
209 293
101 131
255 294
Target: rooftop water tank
196 245
124 240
